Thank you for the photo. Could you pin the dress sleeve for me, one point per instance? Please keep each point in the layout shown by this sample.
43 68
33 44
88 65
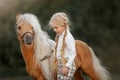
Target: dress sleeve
70 45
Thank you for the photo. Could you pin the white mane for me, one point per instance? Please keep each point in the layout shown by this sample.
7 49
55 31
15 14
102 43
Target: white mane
42 43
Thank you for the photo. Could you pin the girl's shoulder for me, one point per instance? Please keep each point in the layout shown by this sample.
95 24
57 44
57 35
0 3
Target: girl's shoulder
69 35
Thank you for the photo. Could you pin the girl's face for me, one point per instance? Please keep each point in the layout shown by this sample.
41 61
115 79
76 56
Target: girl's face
59 29
58 24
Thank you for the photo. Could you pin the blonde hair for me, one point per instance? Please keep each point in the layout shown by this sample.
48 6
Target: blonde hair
63 59
60 19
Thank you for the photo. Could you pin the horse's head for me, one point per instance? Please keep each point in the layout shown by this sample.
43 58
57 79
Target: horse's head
24 31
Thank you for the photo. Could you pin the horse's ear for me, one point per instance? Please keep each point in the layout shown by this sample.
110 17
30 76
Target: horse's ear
17 15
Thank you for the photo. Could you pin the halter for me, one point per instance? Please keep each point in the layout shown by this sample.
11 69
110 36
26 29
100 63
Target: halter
24 35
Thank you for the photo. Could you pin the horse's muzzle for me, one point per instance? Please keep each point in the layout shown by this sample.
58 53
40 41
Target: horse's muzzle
28 39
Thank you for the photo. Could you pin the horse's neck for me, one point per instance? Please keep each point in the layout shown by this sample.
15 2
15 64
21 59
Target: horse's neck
28 54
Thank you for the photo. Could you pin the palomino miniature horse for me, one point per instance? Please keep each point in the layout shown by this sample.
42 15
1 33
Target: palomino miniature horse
35 44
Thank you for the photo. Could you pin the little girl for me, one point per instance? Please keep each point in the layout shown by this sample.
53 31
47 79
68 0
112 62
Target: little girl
65 51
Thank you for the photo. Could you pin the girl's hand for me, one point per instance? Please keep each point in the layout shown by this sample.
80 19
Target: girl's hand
64 70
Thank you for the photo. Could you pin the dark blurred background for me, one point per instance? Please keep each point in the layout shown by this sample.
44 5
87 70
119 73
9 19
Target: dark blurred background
96 22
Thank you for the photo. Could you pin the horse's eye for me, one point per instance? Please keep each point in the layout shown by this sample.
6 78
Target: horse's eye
19 27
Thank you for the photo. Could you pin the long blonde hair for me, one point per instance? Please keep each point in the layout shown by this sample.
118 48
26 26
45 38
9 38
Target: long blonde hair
60 19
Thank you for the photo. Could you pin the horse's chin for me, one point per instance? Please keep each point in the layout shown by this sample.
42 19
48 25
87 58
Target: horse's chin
29 43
